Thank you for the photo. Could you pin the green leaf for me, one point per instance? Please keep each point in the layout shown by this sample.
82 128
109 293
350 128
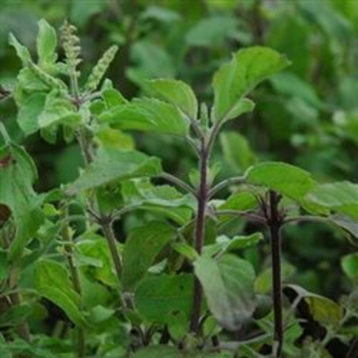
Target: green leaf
237 151
21 51
112 97
113 138
99 261
323 310
46 44
350 266
185 250
237 78
242 106
53 282
240 201
228 284
346 223
148 115
158 351
151 61
175 92
17 174
58 110
111 165
15 315
225 244
290 84
29 112
213 31
156 298
340 197
284 178
145 243
161 199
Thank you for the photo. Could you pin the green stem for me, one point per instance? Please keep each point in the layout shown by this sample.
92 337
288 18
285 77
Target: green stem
178 182
226 183
111 240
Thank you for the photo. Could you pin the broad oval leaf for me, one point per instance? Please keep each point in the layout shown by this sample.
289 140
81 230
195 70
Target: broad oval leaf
141 248
284 178
158 297
228 284
340 197
17 174
238 77
112 164
92 252
164 200
29 112
237 151
175 92
148 115
226 244
53 282
322 308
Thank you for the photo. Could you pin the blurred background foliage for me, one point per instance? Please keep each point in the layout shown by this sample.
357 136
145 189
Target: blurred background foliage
307 115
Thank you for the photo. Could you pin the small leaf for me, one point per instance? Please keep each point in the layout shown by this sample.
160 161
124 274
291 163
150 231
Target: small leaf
112 97
340 197
29 112
46 44
284 178
213 31
111 165
237 78
225 244
350 266
323 310
52 281
237 151
161 199
58 110
21 51
146 243
15 315
148 115
242 106
157 297
177 93
228 284
185 250
240 201
17 174
99 261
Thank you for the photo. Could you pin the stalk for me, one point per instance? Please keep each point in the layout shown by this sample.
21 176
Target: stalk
199 233
81 340
275 224
111 240
103 221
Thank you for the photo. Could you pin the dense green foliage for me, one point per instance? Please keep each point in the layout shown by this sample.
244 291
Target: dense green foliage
154 156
